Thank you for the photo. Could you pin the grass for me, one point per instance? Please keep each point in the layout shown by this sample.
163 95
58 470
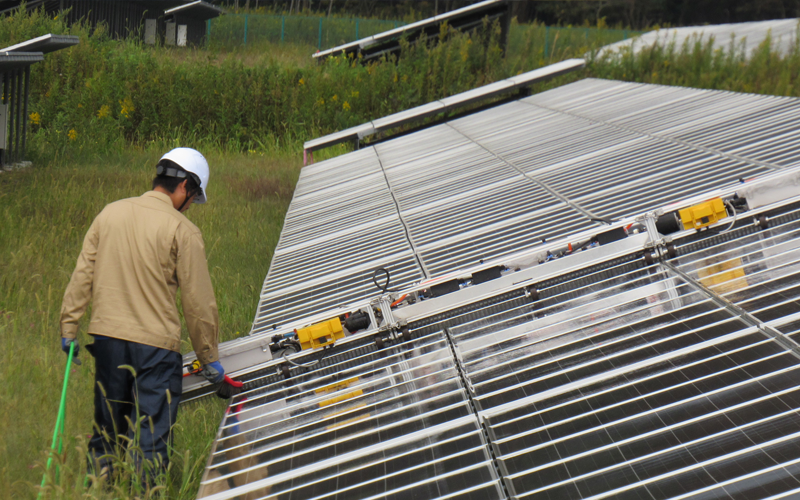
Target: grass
44 213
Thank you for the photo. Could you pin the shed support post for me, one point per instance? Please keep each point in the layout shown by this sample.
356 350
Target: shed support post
18 121
26 84
10 98
4 100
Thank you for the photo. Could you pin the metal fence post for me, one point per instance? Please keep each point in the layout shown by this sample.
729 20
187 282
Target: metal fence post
546 39
245 29
208 32
625 35
319 43
283 26
356 29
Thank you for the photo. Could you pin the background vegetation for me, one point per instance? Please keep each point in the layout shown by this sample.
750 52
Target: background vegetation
103 112
639 14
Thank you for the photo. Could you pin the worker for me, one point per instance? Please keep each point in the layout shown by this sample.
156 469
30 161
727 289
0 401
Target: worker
136 254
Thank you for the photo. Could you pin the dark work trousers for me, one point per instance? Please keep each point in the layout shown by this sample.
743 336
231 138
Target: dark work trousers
115 405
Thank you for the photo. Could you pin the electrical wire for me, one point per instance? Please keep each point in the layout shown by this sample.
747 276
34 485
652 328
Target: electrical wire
301 365
735 213
399 300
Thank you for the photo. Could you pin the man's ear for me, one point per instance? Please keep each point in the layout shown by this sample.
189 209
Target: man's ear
182 185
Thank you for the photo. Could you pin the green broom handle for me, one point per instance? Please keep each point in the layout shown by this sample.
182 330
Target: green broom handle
62 410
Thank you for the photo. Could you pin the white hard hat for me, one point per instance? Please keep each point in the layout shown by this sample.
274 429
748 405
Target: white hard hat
192 161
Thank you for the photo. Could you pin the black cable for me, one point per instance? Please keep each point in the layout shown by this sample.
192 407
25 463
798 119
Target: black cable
385 287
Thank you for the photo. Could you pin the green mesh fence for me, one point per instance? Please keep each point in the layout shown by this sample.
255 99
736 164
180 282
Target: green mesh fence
528 41
319 32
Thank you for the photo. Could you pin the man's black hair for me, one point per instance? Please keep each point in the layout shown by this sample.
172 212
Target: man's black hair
171 183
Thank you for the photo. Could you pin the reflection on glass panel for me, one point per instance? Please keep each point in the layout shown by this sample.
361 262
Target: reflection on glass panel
403 411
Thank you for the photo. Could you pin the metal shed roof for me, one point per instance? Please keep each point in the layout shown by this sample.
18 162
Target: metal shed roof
16 60
591 373
747 35
45 44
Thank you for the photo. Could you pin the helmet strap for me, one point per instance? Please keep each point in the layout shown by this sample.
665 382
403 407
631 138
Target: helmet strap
180 209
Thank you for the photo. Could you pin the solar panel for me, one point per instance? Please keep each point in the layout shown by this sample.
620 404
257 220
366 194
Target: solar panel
197 9
477 188
465 19
540 339
741 36
445 105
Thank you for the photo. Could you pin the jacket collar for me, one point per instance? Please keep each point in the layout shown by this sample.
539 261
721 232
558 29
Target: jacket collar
159 196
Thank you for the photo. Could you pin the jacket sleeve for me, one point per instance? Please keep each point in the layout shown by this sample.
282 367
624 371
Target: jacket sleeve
79 289
197 295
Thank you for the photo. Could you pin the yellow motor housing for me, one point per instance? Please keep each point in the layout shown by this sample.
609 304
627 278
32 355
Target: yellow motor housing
704 214
321 334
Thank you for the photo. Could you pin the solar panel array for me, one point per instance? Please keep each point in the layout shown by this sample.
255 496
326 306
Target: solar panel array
625 380
499 181
739 36
612 378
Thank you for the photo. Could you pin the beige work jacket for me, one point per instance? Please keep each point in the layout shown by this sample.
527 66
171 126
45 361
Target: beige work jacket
135 255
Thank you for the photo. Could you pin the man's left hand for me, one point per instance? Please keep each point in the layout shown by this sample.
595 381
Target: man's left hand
213 372
65 343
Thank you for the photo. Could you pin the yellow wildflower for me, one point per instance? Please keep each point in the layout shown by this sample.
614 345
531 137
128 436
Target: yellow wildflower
346 106
72 134
126 107
335 98
35 118
301 82
80 106
354 93
104 111
320 102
